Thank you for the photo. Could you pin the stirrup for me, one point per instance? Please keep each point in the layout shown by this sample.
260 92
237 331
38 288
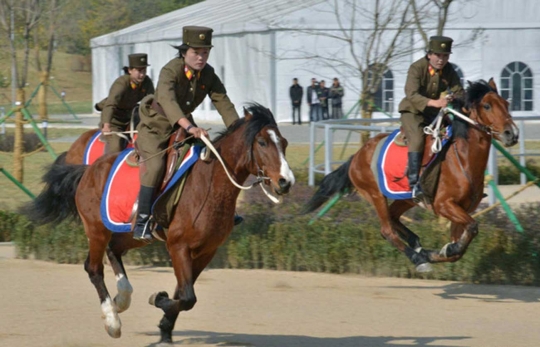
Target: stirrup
417 192
146 234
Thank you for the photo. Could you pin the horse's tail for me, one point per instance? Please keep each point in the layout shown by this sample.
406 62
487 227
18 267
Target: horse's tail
57 200
337 181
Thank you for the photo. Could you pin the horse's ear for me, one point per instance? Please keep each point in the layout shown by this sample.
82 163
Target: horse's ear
247 115
469 83
493 85
465 110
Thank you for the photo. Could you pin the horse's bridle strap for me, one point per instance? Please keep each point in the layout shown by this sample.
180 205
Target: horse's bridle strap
259 178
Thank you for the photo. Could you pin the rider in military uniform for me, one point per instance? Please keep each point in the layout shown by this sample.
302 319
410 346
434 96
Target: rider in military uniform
124 95
431 84
183 84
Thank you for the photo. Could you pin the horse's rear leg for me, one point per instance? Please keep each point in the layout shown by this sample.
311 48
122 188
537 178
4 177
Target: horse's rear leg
94 267
187 271
397 209
122 300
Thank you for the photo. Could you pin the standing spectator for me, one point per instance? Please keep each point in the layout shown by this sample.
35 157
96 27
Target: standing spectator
324 100
336 94
296 92
313 92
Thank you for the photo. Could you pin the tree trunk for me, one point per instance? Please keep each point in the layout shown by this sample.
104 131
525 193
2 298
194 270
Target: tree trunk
18 141
42 95
367 113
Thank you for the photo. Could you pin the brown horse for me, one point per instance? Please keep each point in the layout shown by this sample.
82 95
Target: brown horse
203 217
461 182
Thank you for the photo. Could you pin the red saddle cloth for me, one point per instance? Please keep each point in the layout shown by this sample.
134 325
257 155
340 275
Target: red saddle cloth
122 189
121 193
95 148
392 168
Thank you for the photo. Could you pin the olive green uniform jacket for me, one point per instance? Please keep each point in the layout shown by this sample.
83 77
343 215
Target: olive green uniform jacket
177 97
420 87
117 108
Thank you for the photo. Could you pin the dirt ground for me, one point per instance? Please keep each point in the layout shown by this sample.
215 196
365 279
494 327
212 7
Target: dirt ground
45 304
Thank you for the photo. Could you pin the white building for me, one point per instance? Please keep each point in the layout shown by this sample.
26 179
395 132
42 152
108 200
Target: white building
254 41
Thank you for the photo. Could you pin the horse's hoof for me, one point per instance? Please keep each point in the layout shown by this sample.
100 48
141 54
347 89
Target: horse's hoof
425 267
115 333
157 297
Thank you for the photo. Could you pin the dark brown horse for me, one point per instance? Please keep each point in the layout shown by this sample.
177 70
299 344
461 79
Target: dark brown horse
461 181
203 217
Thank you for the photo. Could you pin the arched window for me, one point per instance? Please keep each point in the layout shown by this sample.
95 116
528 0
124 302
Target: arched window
384 95
460 74
517 86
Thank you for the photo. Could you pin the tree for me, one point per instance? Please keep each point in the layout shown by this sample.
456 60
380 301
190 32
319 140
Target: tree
19 19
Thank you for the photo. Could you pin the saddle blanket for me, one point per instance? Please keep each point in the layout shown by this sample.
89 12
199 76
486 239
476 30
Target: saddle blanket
392 167
95 148
122 189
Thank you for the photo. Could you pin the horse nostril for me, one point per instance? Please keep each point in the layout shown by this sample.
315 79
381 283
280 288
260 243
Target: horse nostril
283 183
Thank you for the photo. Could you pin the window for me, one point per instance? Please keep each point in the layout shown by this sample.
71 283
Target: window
384 96
460 74
517 86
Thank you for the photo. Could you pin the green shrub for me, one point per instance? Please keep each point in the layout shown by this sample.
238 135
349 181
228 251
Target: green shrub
346 240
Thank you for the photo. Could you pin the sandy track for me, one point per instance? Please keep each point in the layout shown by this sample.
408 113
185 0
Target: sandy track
45 304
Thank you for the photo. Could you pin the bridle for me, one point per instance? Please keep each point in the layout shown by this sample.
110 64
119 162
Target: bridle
260 173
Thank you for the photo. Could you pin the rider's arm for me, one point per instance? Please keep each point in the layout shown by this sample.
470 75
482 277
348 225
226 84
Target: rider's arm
167 84
221 101
116 93
412 88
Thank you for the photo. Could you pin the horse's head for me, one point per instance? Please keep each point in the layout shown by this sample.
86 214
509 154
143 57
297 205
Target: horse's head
267 149
488 108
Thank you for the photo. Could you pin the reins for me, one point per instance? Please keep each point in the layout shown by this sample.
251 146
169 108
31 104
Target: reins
260 179
434 128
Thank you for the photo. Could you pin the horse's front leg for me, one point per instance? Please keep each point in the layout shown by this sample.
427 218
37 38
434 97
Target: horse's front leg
94 267
184 296
122 300
462 230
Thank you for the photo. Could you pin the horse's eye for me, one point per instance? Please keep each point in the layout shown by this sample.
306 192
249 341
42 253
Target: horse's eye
487 107
261 142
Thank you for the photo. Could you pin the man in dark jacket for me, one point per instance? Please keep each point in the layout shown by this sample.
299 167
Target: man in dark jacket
336 94
296 92
430 83
313 94
325 92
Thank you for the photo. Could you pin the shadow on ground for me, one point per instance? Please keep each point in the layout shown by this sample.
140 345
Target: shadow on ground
187 338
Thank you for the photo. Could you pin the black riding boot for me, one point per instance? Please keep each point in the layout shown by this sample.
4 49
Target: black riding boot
415 161
238 219
142 230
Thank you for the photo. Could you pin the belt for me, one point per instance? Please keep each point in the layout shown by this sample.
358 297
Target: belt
157 107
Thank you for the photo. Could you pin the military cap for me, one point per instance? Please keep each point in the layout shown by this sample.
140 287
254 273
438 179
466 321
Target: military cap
440 44
197 37
138 60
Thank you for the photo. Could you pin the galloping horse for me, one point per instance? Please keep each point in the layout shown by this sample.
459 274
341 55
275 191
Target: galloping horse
202 221
461 181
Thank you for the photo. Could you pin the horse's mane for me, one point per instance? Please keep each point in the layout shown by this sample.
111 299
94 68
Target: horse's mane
473 95
261 118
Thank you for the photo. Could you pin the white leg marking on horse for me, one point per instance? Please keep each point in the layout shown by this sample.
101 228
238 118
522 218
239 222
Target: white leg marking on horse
444 250
112 321
285 170
123 298
418 249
